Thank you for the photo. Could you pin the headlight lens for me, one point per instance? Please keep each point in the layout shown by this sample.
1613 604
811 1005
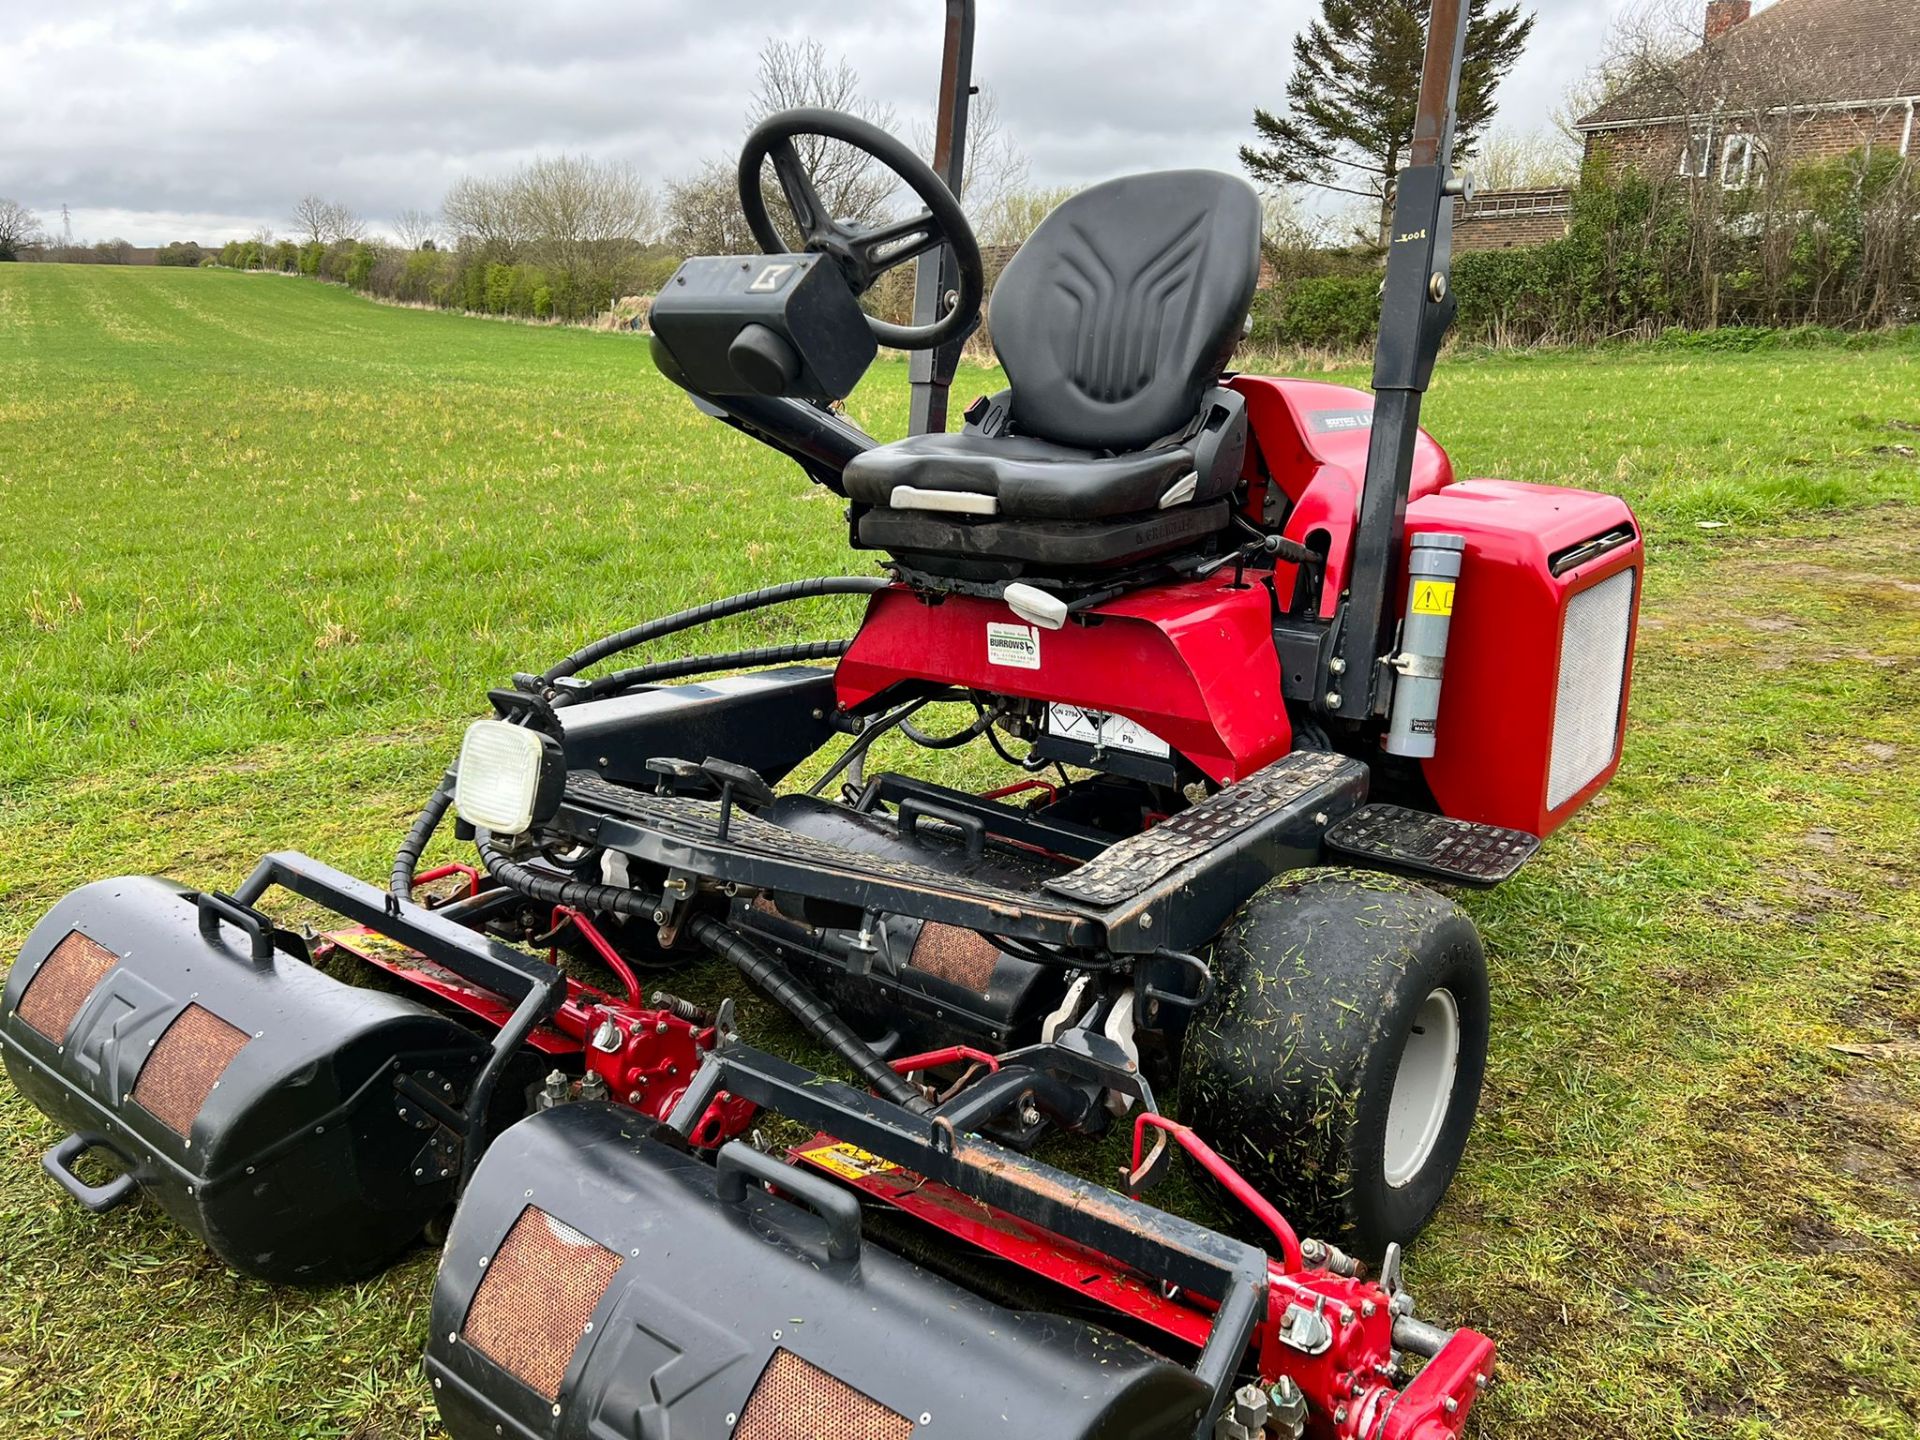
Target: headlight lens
502 767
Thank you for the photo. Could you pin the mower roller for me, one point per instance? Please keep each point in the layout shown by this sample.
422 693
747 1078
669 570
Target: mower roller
1262 672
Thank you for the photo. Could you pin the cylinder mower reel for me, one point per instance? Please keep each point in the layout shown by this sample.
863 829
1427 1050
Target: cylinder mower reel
1264 681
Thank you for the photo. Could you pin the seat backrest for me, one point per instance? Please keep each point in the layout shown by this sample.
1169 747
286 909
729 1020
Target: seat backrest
1124 306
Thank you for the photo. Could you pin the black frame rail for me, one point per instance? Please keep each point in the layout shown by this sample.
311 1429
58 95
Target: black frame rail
1417 306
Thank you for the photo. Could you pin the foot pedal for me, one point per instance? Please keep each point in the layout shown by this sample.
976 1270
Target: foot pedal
1460 851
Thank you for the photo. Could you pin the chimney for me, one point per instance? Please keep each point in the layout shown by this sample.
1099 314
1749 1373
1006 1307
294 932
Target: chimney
1723 15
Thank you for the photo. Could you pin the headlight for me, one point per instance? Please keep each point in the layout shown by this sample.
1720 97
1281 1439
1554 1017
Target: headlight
509 777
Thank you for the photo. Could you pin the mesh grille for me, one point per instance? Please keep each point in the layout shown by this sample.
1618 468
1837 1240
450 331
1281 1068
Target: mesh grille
1593 667
794 1400
62 983
961 957
181 1071
539 1292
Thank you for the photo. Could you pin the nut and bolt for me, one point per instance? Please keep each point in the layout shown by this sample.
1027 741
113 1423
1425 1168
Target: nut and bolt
1333 699
1287 1409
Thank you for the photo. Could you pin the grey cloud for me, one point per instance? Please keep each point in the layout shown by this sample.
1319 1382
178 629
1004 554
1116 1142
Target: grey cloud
149 117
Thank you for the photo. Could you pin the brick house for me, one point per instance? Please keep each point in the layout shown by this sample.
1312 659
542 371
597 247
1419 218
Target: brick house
1802 80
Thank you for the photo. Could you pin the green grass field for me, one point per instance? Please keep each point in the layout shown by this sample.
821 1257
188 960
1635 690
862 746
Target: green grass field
263 546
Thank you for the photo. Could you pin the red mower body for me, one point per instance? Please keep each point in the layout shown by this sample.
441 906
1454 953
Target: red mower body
1539 663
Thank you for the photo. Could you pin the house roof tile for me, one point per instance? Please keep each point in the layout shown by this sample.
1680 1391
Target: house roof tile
1835 51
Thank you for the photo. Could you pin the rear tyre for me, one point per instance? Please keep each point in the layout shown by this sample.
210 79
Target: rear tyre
1339 1060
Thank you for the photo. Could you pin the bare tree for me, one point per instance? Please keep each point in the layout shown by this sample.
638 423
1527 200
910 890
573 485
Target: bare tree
310 218
703 213
572 207
486 215
343 224
851 184
416 229
1726 149
996 165
19 228
1523 160
1017 213
325 221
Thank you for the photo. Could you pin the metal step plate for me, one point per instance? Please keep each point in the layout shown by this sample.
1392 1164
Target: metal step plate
1459 851
1135 865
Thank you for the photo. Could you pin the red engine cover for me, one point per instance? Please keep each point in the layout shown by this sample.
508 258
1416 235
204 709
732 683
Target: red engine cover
1510 666
1193 663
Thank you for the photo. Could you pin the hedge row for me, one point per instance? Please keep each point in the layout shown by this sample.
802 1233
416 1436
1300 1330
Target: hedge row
1836 243
460 279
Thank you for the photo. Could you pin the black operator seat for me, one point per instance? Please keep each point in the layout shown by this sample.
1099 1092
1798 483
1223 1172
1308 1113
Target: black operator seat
1114 323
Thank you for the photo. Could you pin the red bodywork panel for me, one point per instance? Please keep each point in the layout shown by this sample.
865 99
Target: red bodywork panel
1195 663
1313 439
1504 655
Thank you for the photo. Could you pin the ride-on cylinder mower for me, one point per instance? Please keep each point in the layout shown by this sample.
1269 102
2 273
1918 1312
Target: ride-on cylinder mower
1262 670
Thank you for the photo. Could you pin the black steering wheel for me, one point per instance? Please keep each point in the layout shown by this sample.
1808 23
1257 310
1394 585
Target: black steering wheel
863 253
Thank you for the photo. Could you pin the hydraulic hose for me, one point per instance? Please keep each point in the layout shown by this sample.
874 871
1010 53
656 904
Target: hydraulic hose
760 969
778 984
406 860
714 610
707 664
587 895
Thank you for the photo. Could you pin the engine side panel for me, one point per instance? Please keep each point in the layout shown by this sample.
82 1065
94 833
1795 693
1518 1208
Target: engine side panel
1193 663
1527 652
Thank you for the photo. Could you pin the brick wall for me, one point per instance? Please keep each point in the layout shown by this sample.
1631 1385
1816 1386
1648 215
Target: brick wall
1820 136
1511 219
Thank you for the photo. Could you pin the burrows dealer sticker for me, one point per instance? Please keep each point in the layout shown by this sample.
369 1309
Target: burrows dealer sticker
1014 645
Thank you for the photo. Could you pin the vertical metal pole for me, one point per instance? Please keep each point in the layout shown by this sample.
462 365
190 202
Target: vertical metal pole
1416 308
931 371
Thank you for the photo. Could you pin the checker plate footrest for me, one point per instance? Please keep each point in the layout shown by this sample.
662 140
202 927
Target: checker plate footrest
1138 863
1459 851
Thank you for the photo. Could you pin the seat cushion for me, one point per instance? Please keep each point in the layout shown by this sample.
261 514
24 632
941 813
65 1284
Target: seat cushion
1027 478
1009 549
1123 306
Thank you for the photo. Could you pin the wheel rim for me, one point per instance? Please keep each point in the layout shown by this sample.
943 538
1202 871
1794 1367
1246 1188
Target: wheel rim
1423 1087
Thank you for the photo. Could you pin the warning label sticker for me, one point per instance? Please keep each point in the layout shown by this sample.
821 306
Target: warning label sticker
1017 646
1103 731
1433 597
847 1161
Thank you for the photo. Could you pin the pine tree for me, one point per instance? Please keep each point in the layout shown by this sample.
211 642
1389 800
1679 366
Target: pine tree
1355 83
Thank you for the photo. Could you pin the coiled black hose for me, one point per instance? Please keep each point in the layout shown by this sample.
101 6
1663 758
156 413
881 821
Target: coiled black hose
778 984
406 860
589 895
714 610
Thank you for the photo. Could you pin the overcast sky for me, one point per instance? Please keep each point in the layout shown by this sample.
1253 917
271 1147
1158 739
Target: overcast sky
205 119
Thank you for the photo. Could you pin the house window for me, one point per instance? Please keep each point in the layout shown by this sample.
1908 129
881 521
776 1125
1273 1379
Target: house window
1696 157
1743 161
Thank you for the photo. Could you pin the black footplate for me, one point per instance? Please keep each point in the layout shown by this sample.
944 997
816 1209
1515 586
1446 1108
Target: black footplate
1137 864
1459 851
